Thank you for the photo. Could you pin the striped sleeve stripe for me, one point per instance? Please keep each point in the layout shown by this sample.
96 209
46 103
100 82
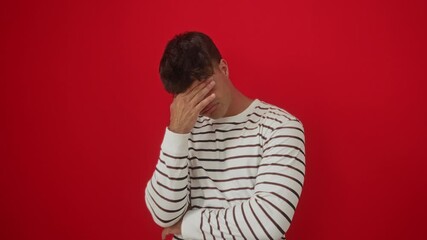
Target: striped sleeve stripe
289 127
165 198
164 209
282 165
259 222
219 226
278 209
237 224
285 145
283 175
281 197
226 223
280 185
284 136
201 224
210 225
269 217
174 157
195 206
171 178
281 115
160 219
246 220
287 156
171 167
170 188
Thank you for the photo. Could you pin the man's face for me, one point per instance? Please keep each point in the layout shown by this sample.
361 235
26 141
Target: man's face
218 108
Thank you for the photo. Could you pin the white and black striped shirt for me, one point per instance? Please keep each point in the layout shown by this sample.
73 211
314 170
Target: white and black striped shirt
238 177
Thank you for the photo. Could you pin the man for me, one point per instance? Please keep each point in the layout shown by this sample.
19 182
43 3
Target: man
230 167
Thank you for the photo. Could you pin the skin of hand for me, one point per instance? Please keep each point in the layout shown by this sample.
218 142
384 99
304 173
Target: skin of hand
175 229
187 106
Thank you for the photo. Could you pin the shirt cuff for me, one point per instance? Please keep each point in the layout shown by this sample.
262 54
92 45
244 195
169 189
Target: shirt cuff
190 227
175 143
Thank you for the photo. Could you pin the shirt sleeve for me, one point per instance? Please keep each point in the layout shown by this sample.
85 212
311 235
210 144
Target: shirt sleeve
269 212
166 193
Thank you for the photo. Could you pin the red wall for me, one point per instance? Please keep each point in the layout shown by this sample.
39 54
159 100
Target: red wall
84 112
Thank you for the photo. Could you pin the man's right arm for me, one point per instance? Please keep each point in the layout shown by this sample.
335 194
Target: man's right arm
167 192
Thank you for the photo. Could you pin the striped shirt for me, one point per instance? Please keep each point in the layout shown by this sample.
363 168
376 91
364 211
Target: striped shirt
237 177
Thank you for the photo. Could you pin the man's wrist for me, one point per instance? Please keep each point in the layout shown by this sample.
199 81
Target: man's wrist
178 130
174 143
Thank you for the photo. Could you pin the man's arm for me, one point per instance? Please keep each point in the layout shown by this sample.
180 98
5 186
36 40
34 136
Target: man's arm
267 214
166 193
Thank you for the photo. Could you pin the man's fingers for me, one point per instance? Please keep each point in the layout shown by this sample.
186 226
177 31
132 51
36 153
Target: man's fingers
205 102
202 93
193 88
203 84
165 233
189 91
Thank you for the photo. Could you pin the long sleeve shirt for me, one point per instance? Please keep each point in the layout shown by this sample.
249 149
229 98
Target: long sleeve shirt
237 177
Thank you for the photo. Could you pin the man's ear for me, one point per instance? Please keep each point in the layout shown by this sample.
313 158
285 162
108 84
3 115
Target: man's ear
223 67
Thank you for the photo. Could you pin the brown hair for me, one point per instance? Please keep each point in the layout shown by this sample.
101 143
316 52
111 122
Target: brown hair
189 56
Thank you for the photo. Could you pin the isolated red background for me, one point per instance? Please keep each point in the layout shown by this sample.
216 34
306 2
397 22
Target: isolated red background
83 111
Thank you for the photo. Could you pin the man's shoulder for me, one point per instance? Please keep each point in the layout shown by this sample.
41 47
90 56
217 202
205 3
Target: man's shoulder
279 121
274 112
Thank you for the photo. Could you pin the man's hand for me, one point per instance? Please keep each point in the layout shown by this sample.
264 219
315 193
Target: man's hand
187 106
175 229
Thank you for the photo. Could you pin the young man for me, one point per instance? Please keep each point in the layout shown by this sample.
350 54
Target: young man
230 167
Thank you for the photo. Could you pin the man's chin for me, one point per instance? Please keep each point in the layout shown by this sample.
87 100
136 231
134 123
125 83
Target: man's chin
208 115
212 115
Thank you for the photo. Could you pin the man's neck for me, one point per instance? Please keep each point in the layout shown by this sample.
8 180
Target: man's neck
239 103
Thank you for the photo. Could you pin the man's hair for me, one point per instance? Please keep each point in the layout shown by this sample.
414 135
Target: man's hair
189 56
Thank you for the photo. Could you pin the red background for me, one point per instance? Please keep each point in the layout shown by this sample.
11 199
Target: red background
84 112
